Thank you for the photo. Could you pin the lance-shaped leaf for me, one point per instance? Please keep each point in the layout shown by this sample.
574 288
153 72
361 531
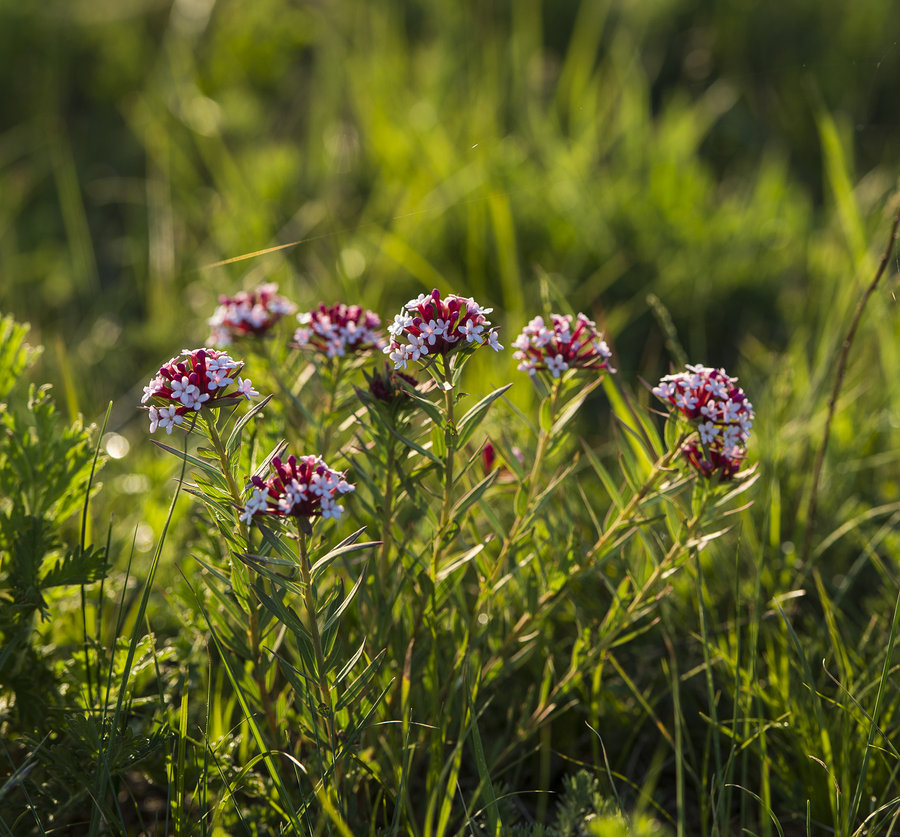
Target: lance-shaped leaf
474 416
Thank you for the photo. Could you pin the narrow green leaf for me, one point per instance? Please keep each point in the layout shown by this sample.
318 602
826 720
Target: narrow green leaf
417 448
572 407
353 692
197 462
234 438
473 495
332 620
494 821
438 442
473 418
605 477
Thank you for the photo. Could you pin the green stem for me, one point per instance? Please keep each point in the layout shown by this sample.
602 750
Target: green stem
209 419
387 510
326 422
550 598
450 443
253 632
661 465
515 531
533 481
325 694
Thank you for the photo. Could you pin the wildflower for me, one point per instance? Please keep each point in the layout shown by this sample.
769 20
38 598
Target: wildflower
488 457
253 312
558 346
338 330
300 487
197 378
390 386
436 326
719 409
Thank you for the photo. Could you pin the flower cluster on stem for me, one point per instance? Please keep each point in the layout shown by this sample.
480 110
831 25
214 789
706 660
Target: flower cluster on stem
564 343
248 313
429 325
300 487
339 329
196 378
719 410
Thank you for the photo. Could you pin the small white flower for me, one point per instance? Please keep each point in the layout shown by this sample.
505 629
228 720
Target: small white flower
602 348
330 509
192 399
494 341
399 356
717 388
528 365
543 337
732 410
168 418
401 323
685 400
416 348
152 388
218 378
179 387
708 432
523 342
472 331
430 331
255 503
711 410
413 304
556 365
245 388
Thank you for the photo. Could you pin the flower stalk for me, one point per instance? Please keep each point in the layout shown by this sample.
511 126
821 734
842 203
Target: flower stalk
450 444
325 693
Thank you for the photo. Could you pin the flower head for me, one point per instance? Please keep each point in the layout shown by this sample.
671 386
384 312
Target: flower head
720 411
300 487
390 387
564 343
429 325
196 378
253 312
338 330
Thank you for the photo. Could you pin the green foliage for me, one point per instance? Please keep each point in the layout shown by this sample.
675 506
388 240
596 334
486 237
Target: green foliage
46 468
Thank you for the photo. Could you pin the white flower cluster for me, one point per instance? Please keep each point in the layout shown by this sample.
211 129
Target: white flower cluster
431 325
339 329
188 383
718 408
560 346
301 487
253 312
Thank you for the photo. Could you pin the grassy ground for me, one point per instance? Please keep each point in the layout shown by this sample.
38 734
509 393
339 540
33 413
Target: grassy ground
569 648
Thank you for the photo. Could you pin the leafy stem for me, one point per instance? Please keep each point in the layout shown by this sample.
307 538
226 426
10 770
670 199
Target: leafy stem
450 444
325 695
254 635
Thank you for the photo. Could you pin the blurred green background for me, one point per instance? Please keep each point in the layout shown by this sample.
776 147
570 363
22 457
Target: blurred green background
679 147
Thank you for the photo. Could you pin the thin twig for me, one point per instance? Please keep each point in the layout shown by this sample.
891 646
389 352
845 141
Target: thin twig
838 383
